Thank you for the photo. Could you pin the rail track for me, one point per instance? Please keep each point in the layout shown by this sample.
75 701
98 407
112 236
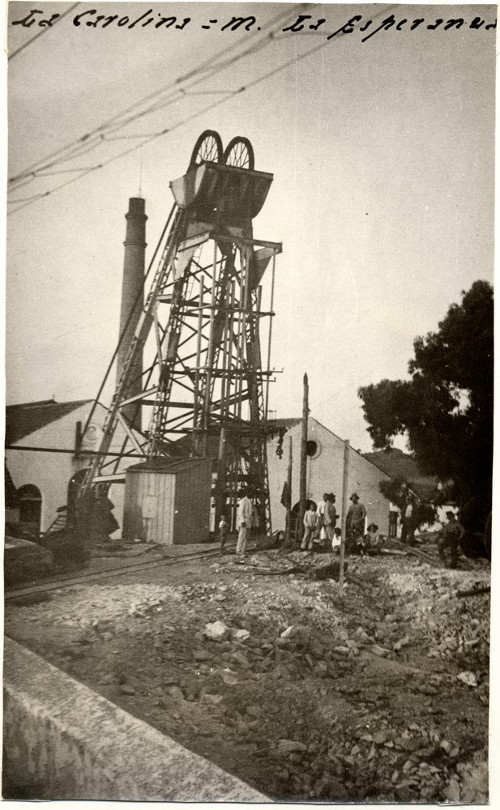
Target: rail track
68 580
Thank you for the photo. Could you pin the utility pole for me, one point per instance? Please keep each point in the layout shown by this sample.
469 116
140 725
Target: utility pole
345 484
303 454
288 524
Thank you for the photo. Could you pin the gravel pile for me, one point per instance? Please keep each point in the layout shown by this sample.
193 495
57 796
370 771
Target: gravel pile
366 694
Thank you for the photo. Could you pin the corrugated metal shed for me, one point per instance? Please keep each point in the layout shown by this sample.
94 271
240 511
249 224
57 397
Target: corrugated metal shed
168 502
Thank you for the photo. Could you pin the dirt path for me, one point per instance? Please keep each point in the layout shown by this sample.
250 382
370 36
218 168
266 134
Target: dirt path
380 694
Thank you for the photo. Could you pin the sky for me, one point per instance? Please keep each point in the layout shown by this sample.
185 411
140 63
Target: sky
383 159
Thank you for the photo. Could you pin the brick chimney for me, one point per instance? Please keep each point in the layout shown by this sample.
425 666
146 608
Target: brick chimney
132 300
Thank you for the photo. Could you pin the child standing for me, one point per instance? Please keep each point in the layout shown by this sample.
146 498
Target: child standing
222 532
337 539
310 524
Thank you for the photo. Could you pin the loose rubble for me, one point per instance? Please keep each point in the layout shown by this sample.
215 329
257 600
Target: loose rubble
374 692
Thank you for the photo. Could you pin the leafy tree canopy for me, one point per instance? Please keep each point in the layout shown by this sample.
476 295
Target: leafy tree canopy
397 490
446 408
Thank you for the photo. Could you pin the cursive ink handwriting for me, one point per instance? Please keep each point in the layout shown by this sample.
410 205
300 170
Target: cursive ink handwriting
89 18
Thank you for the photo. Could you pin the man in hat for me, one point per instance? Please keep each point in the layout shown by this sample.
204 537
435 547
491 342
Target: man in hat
355 522
450 538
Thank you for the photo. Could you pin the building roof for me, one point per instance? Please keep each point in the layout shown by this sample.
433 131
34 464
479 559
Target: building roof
397 464
287 423
292 422
24 419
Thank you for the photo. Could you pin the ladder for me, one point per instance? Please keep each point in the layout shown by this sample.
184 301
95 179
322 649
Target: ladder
141 334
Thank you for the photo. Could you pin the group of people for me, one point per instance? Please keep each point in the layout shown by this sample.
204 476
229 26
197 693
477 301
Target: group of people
320 532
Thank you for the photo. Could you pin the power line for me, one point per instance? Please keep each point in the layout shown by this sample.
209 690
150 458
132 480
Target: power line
155 108
43 31
207 69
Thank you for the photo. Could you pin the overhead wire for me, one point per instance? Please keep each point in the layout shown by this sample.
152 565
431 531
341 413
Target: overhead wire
165 131
207 68
43 31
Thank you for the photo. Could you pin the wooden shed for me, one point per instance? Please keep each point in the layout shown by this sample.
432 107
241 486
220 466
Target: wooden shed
168 502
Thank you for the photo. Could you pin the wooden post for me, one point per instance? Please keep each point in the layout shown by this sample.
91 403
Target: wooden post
220 494
288 524
345 484
303 455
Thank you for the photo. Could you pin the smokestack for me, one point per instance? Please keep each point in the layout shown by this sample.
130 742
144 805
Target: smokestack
132 300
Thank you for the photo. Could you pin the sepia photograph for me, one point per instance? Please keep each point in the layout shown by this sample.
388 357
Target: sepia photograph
249 402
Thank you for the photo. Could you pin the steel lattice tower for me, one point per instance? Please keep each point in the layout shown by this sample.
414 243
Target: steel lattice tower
200 330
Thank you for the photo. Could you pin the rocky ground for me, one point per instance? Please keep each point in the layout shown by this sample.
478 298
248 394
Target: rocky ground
377 693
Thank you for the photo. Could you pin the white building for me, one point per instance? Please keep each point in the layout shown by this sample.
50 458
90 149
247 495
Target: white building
325 466
41 477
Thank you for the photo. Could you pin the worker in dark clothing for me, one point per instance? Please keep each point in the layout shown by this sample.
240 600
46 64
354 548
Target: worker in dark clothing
408 522
102 521
355 524
450 537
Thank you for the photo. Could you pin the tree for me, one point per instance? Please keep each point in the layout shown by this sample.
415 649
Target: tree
397 490
446 408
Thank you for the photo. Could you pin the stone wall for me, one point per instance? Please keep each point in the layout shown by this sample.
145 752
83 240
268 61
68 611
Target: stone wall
63 741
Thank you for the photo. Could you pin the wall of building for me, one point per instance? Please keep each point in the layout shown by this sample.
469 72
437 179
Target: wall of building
51 472
325 474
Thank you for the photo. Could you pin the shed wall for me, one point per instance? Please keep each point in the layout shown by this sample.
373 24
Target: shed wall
149 506
192 504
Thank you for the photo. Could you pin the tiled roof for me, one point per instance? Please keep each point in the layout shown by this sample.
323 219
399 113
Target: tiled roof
22 420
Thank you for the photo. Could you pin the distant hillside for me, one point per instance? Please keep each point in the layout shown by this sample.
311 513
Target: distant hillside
397 464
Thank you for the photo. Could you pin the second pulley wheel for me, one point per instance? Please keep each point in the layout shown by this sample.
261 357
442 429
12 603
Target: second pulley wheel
239 152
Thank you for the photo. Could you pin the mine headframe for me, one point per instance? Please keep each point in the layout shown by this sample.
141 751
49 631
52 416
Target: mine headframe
201 333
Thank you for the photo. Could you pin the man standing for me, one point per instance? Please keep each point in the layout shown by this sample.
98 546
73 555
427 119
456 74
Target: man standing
355 521
408 522
245 510
330 518
450 538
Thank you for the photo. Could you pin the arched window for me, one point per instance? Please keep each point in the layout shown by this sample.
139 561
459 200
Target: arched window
30 507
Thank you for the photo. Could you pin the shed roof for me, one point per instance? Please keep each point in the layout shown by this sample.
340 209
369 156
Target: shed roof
23 419
168 465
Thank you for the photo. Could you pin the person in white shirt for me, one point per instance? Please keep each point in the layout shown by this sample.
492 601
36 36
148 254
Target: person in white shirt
310 525
320 534
245 509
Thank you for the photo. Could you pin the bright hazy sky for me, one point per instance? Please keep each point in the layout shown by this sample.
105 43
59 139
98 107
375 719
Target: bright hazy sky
382 153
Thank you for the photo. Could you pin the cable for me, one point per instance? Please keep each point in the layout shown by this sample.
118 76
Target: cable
43 31
165 131
207 67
